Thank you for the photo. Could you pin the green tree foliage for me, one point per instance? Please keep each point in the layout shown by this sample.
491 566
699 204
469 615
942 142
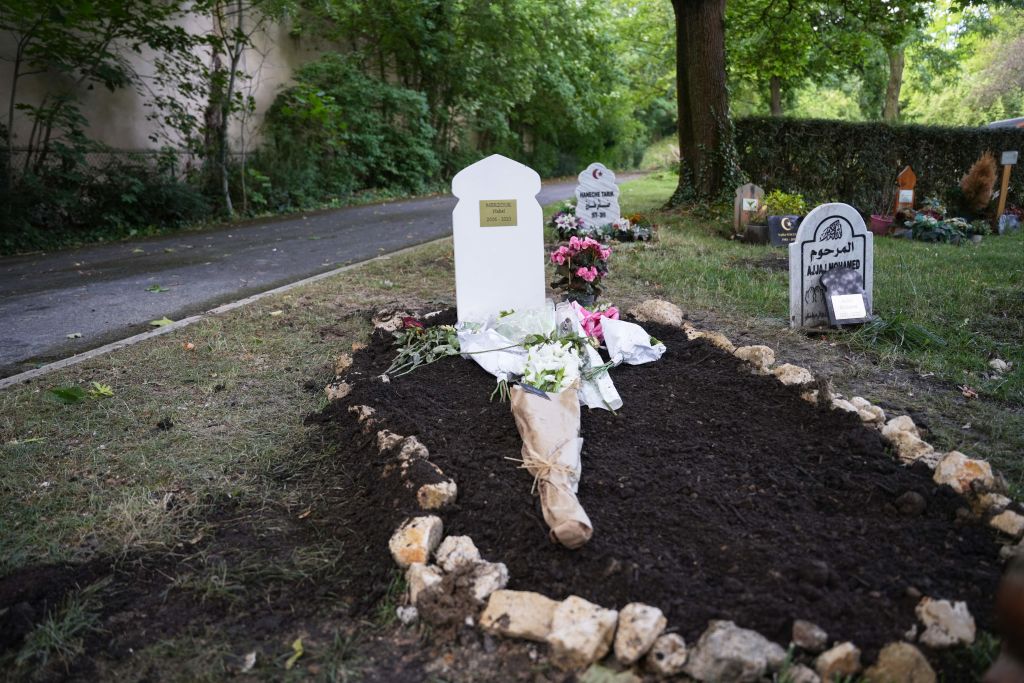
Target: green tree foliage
339 130
535 79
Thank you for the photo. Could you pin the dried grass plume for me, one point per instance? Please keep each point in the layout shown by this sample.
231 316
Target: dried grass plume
978 183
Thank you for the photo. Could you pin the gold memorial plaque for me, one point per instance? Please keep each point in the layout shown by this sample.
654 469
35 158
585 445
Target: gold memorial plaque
497 213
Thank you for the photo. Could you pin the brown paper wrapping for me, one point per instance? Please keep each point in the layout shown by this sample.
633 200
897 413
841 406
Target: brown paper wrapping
550 430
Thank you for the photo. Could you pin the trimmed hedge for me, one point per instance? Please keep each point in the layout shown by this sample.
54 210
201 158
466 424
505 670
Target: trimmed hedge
854 162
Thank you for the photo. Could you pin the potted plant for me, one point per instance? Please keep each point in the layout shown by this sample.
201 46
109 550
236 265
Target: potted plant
882 216
580 267
785 212
756 231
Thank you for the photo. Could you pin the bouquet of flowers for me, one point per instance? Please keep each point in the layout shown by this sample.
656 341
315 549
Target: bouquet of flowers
551 367
566 223
581 265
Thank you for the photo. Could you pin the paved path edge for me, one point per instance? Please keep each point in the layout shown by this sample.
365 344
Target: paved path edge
28 375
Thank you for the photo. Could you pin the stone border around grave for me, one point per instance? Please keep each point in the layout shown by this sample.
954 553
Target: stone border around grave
580 633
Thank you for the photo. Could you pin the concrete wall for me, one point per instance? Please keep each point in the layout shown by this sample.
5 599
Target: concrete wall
120 119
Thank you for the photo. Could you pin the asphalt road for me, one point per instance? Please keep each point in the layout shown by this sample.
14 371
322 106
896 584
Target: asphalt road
100 292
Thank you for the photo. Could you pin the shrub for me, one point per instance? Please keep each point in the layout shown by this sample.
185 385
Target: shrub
339 130
852 162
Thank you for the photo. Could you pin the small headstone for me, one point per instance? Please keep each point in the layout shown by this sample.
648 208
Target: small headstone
597 196
844 294
782 229
906 180
497 217
831 236
748 201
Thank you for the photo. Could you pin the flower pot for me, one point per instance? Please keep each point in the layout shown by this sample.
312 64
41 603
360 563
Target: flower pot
881 225
585 300
756 233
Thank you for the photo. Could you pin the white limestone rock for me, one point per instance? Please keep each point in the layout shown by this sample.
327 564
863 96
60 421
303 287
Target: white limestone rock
793 374
421 578
903 423
412 449
456 552
946 623
761 357
518 614
337 390
992 501
658 311
386 440
910 448
843 404
809 636
1008 522
342 364
639 626
488 577
840 661
726 652
716 338
581 633
901 662
859 402
958 471
407 614
667 656
437 496
415 540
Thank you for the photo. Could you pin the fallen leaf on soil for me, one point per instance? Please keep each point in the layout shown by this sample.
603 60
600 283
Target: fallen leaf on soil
305 513
967 391
162 322
188 346
274 314
101 390
68 395
157 288
296 653
248 662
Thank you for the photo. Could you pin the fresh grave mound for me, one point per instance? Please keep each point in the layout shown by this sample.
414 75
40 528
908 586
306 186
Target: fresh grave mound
714 494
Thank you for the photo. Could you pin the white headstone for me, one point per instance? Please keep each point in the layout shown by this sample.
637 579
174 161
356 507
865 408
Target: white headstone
498 227
830 236
597 196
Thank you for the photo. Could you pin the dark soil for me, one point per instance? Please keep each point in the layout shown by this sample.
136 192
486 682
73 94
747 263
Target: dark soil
714 494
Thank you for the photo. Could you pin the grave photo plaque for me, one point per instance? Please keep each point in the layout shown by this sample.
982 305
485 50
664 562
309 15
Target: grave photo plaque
844 294
829 237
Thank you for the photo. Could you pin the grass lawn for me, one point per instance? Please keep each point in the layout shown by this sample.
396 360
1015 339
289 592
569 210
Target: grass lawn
203 441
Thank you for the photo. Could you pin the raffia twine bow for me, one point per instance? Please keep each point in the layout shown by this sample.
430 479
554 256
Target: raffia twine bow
542 467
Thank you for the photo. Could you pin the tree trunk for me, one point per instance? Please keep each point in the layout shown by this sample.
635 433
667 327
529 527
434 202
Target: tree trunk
776 101
891 112
705 134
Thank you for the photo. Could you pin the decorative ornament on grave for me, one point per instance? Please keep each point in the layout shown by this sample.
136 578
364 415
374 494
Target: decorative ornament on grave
907 181
748 201
597 197
498 229
829 237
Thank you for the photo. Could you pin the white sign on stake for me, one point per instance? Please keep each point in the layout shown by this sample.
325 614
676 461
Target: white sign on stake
597 196
498 228
830 236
